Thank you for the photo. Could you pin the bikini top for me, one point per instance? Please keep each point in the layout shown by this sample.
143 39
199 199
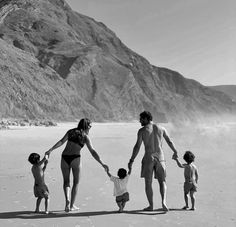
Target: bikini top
75 136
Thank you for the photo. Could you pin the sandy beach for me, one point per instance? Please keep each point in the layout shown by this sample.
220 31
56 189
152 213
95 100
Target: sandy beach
214 148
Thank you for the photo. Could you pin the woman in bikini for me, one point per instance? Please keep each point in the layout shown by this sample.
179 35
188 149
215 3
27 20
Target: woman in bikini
76 138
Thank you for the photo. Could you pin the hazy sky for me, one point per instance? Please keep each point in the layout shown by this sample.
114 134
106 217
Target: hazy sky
197 38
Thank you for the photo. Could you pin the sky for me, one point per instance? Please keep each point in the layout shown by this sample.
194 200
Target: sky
196 38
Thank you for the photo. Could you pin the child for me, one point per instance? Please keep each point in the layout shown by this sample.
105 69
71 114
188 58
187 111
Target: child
40 188
120 187
191 178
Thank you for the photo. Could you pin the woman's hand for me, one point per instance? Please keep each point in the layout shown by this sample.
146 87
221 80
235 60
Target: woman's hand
48 152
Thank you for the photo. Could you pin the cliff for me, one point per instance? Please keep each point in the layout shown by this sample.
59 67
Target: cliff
58 64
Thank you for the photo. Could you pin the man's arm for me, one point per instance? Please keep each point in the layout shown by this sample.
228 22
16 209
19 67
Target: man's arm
178 163
171 144
135 149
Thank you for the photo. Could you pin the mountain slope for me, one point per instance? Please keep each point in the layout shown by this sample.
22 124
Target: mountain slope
56 63
229 90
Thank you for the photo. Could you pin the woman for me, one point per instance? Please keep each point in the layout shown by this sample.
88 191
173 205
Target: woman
70 159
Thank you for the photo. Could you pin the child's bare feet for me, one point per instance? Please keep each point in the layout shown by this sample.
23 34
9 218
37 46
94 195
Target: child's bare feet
185 208
120 210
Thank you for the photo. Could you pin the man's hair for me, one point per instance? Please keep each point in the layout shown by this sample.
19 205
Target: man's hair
189 157
122 173
84 124
147 115
34 158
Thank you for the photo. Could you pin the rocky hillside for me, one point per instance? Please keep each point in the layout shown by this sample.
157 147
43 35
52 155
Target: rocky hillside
229 90
58 64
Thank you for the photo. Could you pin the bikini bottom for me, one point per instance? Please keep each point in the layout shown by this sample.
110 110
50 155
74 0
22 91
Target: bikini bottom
69 158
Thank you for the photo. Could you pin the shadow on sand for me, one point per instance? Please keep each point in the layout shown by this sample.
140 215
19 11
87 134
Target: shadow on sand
62 213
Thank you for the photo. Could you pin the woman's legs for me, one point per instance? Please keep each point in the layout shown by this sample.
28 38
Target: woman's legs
66 182
75 164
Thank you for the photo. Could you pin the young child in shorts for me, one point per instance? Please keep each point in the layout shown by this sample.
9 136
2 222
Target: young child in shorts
120 187
40 188
191 178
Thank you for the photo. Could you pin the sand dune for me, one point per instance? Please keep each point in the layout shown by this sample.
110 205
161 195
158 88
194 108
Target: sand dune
214 148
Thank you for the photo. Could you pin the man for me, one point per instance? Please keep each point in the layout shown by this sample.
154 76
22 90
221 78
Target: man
153 160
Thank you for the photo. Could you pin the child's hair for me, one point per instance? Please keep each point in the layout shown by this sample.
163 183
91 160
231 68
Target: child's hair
189 157
122 173
34 158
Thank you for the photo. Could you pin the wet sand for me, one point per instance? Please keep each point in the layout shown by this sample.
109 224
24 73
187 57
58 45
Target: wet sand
214 148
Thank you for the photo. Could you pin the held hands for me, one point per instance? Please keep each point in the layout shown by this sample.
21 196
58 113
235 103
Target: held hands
48 153
105 167
175 156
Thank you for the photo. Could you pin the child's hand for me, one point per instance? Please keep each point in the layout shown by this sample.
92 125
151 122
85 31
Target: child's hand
174 157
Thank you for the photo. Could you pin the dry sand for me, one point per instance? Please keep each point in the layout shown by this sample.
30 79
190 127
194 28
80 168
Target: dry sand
214 148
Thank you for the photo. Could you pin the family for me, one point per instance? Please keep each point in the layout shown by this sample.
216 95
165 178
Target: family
153 164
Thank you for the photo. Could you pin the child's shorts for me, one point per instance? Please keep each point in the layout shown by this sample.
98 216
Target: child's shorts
122 198
189 186
41 191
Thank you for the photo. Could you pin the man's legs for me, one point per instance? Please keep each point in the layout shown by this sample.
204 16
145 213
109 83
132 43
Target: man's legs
160 174
163 189
149 193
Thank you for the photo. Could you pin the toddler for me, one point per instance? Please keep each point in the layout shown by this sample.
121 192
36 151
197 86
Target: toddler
40 188
191 178
120 187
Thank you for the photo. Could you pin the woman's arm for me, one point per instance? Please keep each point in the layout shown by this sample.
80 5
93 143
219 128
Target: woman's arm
58 144
94 153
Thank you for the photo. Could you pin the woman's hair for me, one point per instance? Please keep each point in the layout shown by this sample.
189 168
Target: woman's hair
84 124
122 173
189 157
146 114
34 158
